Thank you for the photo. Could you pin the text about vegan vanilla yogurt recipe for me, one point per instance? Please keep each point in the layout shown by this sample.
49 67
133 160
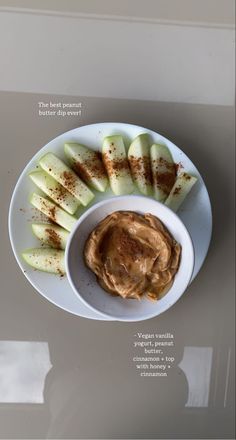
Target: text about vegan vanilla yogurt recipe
153 354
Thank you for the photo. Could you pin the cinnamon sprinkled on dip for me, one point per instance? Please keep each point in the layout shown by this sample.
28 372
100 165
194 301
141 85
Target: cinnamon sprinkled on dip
133 255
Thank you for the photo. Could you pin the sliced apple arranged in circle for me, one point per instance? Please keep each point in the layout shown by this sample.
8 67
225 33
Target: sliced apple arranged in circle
140 164
51 235
163 171
180 190
56 168
45 259
53 212
87 164
150 167
55 191
117 165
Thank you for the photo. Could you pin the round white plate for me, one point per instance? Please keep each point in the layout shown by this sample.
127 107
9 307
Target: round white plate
195 211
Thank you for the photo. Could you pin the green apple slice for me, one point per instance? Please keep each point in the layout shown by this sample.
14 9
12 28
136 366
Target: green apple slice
180 190
117 165
45 259
50 235
140 164
55 191
87 164
53 212
163 171
66 177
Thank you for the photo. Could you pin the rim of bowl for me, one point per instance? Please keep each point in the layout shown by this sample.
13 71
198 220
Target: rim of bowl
71 237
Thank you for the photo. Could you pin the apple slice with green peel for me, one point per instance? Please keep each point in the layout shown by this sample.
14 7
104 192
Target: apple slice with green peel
163 171
50 235
53 212
87 164
55 191
180 190
66 177
140 164
45 259
117 165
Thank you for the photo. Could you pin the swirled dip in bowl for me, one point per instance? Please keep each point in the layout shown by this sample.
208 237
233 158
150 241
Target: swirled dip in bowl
133 255
129 247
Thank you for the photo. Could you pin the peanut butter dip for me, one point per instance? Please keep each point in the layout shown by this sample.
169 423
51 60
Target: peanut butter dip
133 255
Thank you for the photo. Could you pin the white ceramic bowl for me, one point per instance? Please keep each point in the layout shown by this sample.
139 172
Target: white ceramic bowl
83 280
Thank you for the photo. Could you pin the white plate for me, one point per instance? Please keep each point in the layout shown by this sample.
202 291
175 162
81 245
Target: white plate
195 211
